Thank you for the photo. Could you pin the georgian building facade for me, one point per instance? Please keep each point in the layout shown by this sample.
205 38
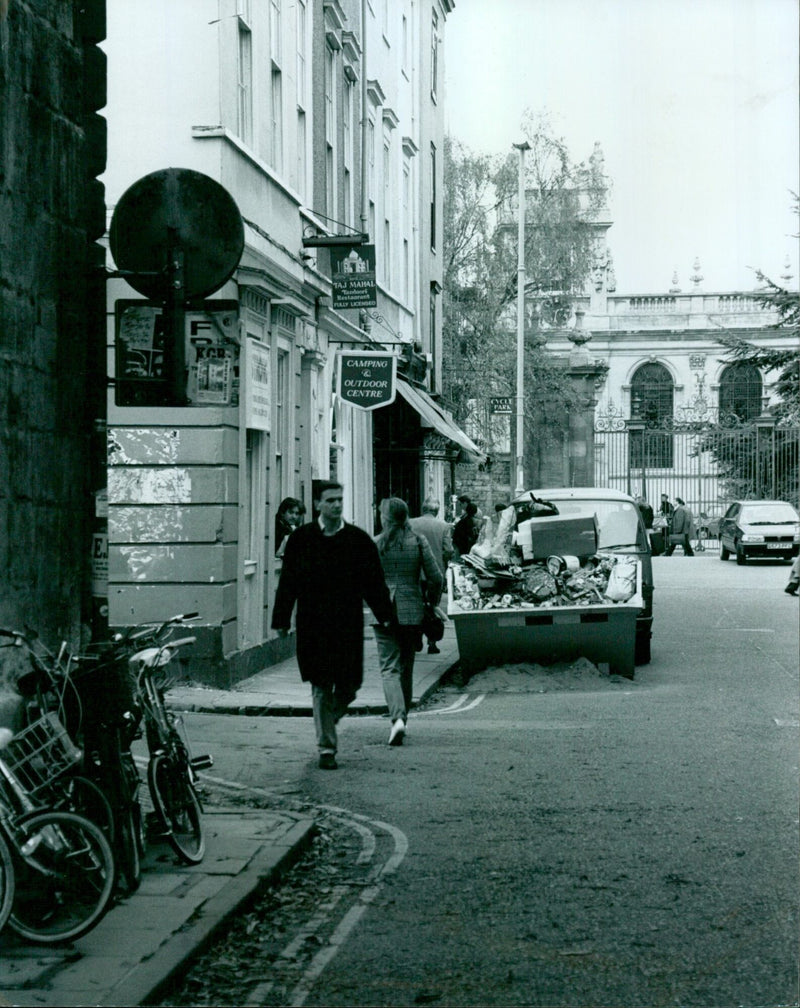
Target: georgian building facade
320 118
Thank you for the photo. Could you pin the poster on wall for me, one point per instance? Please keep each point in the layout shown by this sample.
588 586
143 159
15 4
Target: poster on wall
140 342
257 385
210 375
367 378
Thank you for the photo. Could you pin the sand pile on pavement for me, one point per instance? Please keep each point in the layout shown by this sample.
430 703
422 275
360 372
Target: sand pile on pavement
533 678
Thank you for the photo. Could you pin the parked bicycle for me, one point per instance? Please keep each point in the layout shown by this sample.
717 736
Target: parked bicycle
110 724
171 770
56 867
48 688
93 696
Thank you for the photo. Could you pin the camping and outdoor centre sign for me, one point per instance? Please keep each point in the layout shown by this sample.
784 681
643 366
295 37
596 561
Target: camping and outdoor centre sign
367 378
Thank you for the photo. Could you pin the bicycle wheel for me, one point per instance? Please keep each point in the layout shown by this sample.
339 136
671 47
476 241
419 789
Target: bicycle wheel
126 853
7 881
128 843
82 796
64 874
178 806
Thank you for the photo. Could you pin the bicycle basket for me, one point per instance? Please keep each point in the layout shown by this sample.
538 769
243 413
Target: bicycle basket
40 753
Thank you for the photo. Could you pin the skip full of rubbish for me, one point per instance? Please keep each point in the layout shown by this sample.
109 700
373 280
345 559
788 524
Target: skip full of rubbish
540 560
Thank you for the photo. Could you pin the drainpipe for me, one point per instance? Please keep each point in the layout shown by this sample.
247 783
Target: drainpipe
364 118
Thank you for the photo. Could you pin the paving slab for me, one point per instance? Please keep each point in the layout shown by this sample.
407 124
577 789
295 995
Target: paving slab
149 937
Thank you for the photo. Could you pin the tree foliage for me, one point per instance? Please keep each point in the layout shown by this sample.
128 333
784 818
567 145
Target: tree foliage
481 267
782 362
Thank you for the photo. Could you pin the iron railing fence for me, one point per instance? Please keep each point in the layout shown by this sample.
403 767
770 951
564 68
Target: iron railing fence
709 466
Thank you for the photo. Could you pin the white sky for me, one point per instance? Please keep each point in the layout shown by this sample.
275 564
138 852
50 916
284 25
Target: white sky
695 105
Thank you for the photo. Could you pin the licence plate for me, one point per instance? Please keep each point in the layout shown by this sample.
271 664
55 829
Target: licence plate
780 546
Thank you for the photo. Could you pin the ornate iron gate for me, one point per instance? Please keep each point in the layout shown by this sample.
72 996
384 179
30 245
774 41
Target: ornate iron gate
706 462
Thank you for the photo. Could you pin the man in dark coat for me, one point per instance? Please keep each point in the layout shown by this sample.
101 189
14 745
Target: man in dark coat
330 569
681 529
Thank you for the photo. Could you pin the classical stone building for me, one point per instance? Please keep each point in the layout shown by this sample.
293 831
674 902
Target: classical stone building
667 383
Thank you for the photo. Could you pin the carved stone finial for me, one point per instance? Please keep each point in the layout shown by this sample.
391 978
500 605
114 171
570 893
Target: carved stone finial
697 276
786 276
579 336
675 289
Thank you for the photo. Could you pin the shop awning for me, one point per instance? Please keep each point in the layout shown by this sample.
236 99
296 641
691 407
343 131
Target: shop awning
432 415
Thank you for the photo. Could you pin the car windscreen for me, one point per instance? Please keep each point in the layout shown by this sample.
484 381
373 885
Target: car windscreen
617 521
767 514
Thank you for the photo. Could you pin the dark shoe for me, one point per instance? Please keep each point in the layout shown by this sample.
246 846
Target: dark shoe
327 761
433 649
791 588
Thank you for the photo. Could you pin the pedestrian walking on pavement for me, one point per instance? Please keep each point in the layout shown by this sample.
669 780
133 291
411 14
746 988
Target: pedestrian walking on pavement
440 539
330 569
681 529
466 530
405 557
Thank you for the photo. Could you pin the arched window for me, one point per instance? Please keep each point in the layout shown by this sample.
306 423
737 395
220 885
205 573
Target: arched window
740 391
652 396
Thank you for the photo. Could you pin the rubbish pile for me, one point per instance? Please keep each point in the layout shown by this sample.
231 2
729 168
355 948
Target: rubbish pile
511 571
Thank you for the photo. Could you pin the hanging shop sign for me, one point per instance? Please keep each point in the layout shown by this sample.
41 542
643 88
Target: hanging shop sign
367 379
353 276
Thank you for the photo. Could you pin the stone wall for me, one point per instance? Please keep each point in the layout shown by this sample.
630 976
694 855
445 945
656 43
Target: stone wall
52 148
485 485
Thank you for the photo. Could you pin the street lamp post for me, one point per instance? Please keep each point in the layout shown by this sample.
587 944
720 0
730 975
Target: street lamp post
520 446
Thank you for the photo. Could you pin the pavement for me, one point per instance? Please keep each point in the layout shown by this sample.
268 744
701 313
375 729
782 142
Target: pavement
149 937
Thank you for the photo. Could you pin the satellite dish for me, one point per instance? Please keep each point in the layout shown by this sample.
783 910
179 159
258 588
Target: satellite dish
176 208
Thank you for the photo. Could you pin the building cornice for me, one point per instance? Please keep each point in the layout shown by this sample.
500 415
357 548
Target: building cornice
375 93
334 14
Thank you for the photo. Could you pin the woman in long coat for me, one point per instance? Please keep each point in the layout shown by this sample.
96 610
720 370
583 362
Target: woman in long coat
404 557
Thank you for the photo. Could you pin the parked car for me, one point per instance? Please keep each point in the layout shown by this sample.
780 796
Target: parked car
759 528
620 530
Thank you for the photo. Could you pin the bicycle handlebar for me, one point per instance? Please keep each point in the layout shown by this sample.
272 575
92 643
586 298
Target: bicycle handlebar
180 642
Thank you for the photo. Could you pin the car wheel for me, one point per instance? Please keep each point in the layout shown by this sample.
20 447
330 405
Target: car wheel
741 557
724 553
